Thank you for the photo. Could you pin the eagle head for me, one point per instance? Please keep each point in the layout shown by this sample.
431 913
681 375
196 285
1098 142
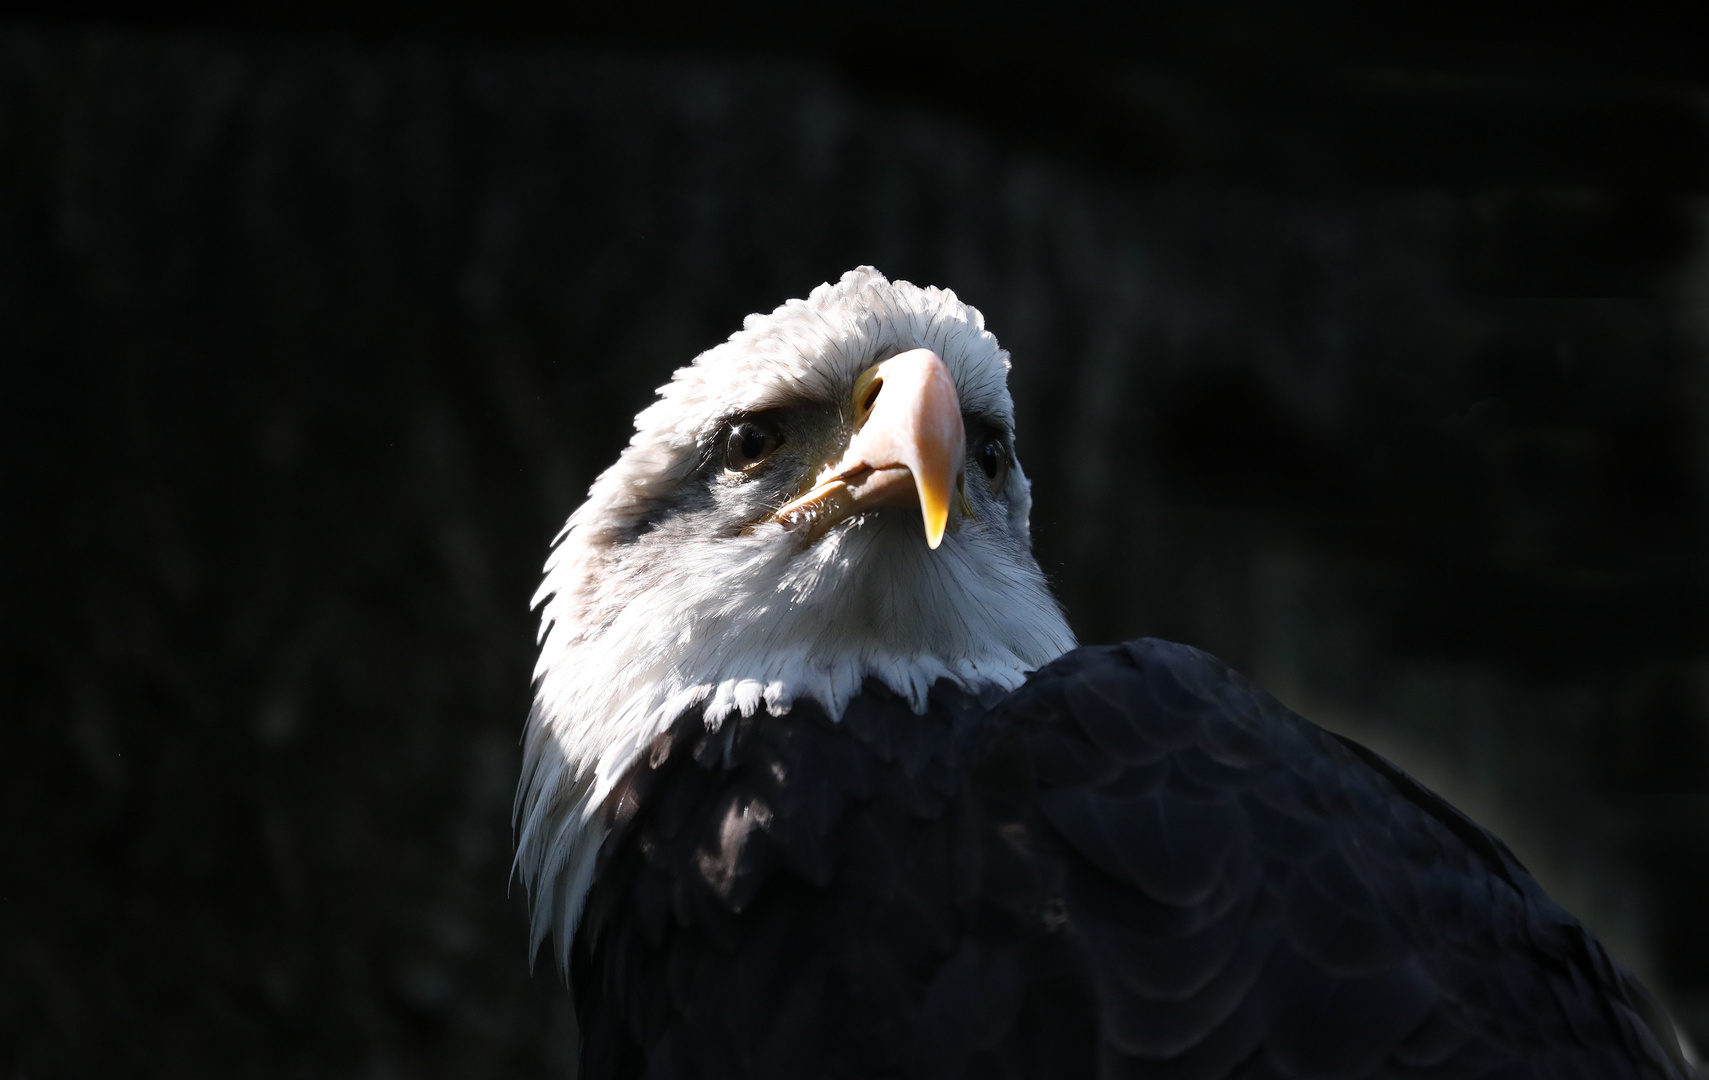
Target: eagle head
830 496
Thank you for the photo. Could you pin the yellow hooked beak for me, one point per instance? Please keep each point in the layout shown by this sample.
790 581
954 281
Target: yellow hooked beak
908 449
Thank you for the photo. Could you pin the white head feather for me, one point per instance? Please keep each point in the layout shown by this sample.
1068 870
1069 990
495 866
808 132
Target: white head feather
642 622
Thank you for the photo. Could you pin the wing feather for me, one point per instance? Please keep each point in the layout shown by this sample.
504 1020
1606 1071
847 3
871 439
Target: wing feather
1137 865
1257 897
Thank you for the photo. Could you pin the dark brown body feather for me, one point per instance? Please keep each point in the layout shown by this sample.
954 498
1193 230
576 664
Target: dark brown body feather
1137 865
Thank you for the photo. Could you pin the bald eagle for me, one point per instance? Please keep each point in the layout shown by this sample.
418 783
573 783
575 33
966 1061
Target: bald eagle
817 784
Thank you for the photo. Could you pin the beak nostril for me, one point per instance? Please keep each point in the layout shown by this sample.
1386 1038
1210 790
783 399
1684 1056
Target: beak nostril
871 395
865 395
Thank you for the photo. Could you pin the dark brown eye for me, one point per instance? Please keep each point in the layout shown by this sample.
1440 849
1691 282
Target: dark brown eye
747 445
993 458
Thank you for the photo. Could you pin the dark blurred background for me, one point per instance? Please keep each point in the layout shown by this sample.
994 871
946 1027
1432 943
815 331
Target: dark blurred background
1366 349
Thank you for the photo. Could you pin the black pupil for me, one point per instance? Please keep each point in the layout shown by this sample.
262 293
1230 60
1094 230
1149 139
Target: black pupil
990 459
749 442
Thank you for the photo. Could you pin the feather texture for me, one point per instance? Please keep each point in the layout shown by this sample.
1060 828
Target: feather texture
794 807
642 621
1136 865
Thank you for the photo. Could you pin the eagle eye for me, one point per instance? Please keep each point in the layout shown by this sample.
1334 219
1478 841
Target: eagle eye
993 459
748 444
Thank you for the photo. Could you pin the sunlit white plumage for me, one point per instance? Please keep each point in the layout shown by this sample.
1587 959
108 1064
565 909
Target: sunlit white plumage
647 613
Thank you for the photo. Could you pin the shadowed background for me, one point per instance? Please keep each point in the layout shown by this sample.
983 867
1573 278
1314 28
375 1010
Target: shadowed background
1367 356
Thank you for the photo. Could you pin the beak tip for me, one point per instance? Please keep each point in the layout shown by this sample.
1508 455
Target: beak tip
935 526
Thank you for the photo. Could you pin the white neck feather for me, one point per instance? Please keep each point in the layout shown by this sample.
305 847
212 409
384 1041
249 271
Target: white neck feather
641 625
749 623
